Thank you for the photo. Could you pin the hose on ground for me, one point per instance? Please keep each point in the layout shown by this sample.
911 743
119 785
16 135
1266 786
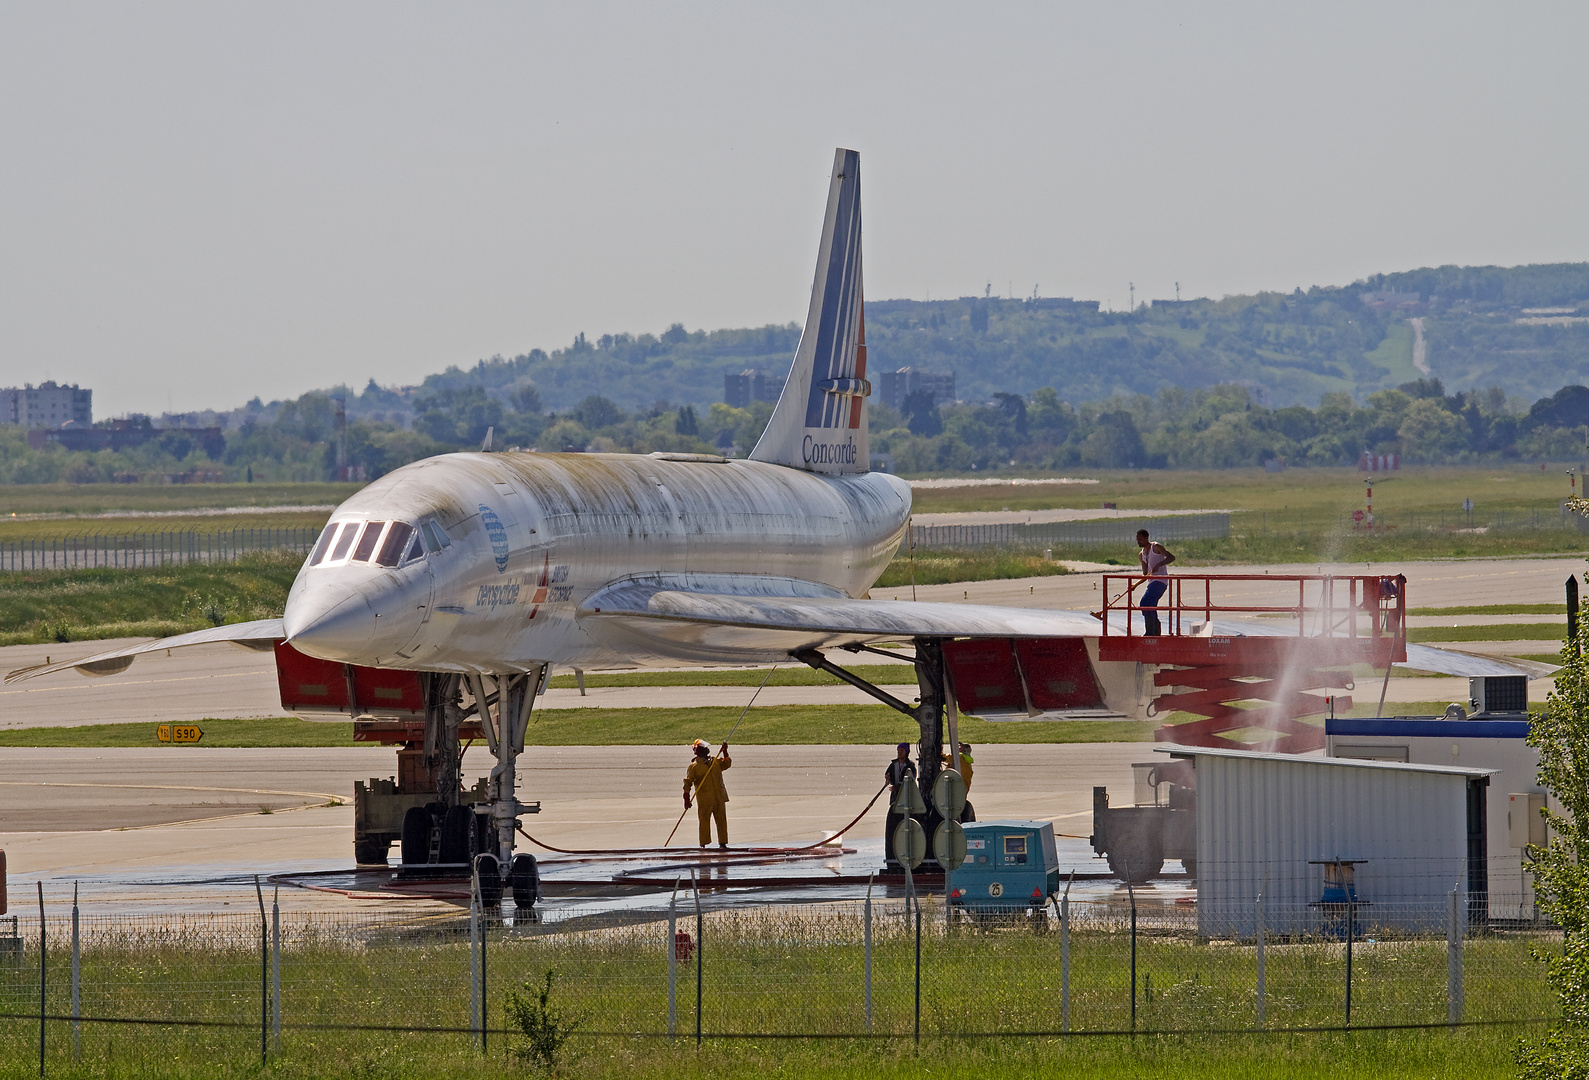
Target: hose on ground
742 853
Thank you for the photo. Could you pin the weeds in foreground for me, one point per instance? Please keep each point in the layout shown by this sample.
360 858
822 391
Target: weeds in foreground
545 1028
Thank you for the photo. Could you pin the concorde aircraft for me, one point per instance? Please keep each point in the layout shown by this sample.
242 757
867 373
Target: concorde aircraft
474 575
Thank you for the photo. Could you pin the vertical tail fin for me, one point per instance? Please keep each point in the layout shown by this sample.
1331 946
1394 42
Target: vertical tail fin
819 423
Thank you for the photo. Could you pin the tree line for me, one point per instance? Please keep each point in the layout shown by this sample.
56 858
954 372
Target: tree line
1176 428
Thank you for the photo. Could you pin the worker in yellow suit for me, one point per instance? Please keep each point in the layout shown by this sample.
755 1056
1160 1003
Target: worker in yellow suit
705 774
963 766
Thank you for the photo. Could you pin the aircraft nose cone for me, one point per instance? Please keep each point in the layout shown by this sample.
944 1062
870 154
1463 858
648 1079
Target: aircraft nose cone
331 623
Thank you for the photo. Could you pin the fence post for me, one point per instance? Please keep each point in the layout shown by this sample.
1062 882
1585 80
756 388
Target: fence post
1351 932
868 935
700 954
1130 892
485 1005
1064 959
1257 939
43 974
918 969
264 973
275 967
673 961
474 956
77 998
1454 959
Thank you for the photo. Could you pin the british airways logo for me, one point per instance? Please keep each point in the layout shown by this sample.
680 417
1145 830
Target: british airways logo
497 535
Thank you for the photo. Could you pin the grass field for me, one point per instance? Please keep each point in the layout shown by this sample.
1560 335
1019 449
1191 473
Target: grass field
1313 492
1488 632
1493 609
1298 515
86 605
772 971
86 499
781 725
1363 1055
941 567
58 529
778 725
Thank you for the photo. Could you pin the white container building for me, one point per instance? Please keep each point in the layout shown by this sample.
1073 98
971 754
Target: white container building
1512 807
1267 822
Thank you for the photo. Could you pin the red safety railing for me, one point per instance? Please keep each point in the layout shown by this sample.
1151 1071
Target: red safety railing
1340 605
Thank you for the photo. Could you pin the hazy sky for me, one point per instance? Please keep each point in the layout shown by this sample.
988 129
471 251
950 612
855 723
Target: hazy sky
200 203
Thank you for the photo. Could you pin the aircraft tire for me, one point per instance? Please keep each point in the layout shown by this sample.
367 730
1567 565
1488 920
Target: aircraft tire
456 828
489 871
485 835
416 836
1136 858
525 877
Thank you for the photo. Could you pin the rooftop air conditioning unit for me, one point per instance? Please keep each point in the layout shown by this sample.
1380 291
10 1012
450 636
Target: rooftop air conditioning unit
1493 695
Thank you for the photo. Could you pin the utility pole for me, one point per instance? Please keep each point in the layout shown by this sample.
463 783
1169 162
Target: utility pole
1177 292
1133 286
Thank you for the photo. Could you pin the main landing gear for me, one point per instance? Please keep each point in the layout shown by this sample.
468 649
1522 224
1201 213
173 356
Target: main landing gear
933 703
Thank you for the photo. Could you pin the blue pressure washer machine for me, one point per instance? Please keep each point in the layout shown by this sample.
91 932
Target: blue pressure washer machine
1010 866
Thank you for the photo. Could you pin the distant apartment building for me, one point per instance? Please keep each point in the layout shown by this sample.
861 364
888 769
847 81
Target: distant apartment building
46 405
895 386
749 385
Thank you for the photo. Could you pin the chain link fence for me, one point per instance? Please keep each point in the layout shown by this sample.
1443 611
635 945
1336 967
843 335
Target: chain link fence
169 548
1479 521
243 983
1116 531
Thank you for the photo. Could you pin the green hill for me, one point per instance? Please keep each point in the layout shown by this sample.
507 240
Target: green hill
1287 348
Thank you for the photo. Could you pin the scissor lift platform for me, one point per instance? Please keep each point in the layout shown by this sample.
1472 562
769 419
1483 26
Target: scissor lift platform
1254 679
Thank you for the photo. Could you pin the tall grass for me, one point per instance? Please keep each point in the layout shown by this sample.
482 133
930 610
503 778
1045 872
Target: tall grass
766 972
82 605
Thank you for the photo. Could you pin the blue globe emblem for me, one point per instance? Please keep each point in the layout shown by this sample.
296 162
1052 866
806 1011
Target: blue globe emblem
497 535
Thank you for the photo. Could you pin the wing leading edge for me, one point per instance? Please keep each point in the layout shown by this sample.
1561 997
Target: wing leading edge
259 634
734 619
727 619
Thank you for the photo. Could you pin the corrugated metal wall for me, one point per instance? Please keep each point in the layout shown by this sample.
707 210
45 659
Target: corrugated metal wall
1265 819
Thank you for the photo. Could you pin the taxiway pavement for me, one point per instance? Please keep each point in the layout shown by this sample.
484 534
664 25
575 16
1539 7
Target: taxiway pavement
182 828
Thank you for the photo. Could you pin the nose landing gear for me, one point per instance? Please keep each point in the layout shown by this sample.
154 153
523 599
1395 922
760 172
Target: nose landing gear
477 833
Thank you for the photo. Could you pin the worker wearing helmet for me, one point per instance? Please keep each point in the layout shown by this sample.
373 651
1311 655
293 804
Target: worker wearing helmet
964 765
705 774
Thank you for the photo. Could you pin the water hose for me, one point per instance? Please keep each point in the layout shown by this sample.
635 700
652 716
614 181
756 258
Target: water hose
742 853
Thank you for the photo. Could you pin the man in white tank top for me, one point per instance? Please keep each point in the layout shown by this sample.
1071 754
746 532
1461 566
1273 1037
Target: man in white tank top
1154 559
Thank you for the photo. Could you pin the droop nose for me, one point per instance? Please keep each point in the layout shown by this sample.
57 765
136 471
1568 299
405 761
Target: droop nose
330 622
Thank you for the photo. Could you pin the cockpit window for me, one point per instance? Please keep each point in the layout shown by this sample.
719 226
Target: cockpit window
345 541
367 541
396 538
323 546
435 536
416 550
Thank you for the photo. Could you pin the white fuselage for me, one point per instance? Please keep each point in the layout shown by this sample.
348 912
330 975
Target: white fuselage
505 546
